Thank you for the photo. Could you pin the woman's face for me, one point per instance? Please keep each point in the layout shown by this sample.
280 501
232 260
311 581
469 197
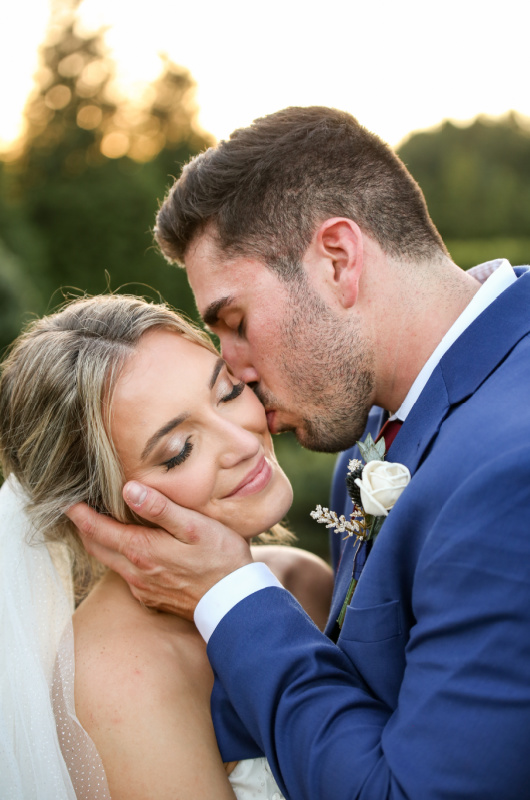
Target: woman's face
182 424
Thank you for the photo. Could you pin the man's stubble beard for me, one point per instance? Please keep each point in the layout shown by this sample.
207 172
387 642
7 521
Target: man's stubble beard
331 389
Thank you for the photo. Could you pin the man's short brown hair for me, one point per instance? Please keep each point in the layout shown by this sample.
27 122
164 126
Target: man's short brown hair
264 191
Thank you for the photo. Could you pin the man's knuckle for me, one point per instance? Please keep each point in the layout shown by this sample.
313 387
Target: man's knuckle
140 559
87 527
158 507
139 593
190 532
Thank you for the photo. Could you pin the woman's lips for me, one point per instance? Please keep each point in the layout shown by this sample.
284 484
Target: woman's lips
255 481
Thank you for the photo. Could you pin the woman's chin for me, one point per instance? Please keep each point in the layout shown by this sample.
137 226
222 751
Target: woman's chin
275 512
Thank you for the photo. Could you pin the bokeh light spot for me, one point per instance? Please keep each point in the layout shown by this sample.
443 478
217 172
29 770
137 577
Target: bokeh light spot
58 97
89 117
71 66
115 144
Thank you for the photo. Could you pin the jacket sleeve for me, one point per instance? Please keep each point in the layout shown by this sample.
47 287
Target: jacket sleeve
460 729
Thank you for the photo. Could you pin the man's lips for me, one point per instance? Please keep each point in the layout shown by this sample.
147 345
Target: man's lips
277 424
255 480
271 419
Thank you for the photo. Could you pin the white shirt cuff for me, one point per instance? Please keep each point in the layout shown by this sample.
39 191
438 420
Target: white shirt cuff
226 594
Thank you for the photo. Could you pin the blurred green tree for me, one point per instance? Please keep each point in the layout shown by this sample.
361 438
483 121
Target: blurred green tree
83 182
476 180
17 294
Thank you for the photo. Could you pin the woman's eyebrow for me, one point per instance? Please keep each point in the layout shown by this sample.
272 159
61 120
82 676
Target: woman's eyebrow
174 423
219 364
161 432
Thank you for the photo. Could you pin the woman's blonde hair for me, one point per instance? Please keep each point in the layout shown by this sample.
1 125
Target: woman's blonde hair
56 391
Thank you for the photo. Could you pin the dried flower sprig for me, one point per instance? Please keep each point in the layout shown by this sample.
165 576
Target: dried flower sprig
341 524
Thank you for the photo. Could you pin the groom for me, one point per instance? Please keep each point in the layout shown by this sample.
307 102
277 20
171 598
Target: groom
312 256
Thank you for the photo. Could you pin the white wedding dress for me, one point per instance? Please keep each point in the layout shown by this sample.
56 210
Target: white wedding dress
253 780
45 754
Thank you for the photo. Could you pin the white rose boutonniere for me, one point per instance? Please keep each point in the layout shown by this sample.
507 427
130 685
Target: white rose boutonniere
374 488
380 486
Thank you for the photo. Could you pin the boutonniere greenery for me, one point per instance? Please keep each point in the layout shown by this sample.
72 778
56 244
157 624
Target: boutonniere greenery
374 488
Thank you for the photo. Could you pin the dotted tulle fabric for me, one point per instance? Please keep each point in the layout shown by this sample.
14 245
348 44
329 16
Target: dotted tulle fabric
79 752
44 752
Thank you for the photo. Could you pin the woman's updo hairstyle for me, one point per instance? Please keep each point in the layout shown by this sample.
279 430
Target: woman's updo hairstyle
56 389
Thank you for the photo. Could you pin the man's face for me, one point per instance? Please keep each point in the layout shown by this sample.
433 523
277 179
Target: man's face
311 370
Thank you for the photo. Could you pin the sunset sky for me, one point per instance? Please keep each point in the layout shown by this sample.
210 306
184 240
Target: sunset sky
397 66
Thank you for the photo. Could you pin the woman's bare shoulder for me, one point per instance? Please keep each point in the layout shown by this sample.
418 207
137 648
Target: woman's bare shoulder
142 691
120 643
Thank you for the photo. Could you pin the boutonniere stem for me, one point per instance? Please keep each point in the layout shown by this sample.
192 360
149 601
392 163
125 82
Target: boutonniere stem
374 488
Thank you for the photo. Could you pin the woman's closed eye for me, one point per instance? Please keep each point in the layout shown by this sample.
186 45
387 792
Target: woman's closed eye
180 457
236 391
175 461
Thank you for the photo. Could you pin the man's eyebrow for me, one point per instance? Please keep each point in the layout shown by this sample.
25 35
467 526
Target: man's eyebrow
211 313
174 423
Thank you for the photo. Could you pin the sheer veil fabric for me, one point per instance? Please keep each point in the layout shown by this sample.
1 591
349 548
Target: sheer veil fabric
45 754
44 751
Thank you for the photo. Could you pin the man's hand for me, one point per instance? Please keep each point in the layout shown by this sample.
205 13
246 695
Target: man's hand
169 567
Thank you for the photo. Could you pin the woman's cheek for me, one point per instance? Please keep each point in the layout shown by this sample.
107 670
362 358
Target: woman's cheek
254 415
183 487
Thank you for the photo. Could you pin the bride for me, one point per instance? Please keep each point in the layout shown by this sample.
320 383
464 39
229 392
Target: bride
110 389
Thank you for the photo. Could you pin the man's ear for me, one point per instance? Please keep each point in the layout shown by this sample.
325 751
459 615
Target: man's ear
340 241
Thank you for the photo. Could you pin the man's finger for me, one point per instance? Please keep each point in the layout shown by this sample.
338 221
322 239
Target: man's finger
180 522
98 528
100 533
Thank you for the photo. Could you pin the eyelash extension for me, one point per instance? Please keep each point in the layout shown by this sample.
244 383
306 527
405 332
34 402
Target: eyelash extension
180 458
236 391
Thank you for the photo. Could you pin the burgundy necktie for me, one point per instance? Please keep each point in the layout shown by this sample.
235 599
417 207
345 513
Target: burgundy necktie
389 431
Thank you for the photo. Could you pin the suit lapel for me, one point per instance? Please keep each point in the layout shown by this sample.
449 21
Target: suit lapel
422 424
463 368
467 364
342 581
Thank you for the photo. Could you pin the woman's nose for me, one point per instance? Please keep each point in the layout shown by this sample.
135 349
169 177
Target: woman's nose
238 444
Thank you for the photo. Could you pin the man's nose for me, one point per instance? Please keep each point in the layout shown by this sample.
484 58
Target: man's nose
249 375
237 357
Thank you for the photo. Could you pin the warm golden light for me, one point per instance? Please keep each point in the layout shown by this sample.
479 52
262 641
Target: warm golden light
390 65
89 117
115 144
145 148
94 73
58 97
71 66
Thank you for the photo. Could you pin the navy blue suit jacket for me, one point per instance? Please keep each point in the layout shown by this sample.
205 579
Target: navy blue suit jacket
427 692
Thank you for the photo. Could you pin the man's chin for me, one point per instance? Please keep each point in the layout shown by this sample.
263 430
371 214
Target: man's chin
304 433
311 440
313 437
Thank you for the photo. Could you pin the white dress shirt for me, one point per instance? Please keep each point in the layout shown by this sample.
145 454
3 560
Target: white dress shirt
495 277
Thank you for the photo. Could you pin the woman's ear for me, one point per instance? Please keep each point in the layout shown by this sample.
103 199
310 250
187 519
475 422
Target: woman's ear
340 241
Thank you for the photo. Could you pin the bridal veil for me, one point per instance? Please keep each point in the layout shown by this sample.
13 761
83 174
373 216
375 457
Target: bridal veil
45 754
